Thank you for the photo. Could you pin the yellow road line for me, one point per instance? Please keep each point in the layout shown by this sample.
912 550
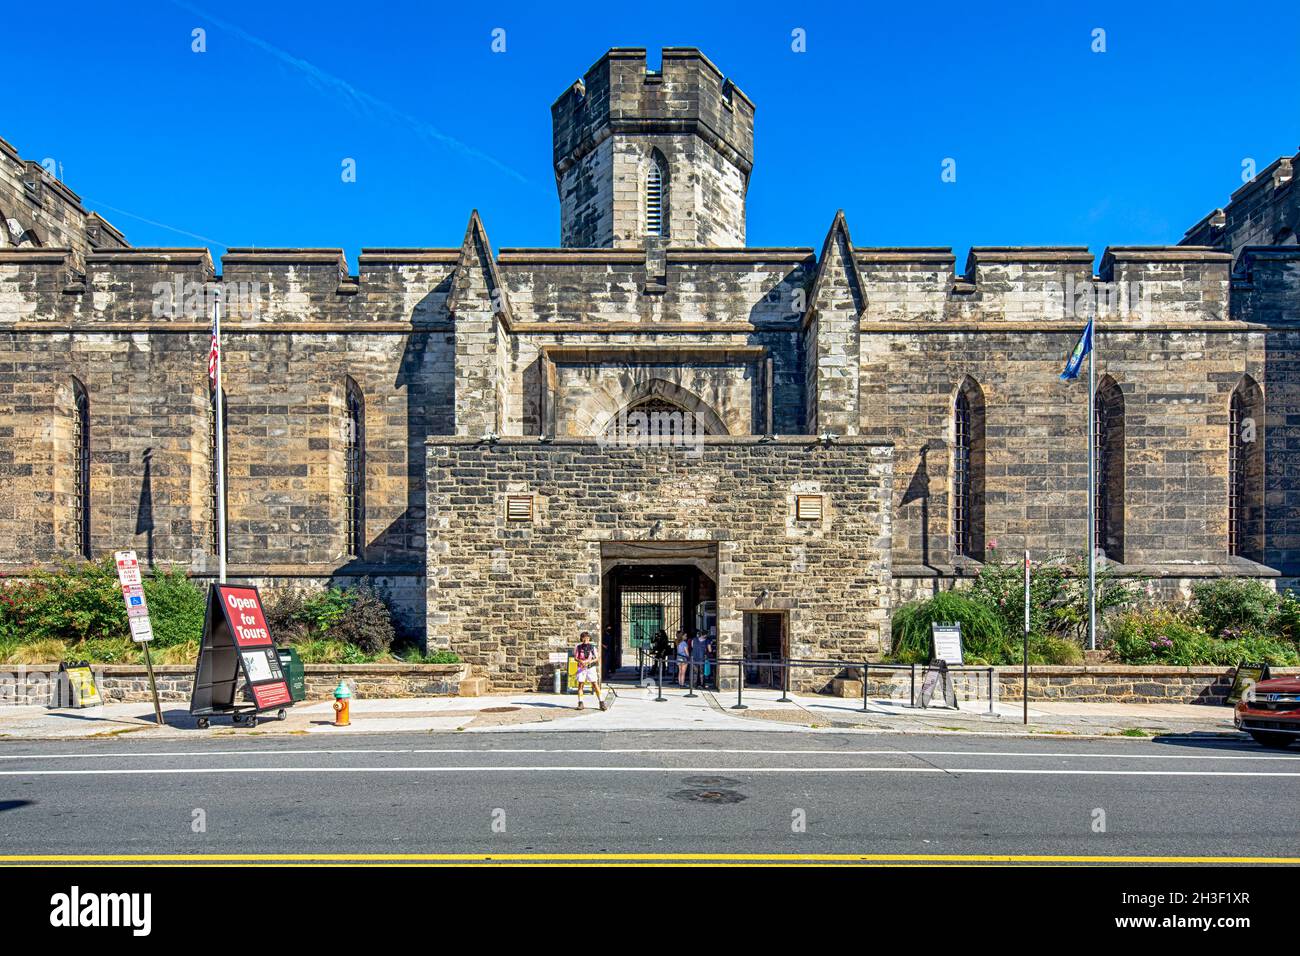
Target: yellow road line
620 858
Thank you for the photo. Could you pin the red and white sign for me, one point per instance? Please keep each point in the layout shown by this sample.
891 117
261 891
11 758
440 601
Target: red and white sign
244 612
242 608
275 694
137 610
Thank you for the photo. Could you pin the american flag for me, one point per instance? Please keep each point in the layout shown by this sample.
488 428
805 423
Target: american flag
214 353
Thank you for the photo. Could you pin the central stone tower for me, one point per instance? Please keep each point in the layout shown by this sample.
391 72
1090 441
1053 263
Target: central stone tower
661 156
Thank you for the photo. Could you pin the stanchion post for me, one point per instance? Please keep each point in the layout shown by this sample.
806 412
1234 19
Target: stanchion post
991 710
912 701
785 683
740 685
660 681
690 679
866 679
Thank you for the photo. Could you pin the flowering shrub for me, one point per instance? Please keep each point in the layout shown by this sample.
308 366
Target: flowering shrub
1173 636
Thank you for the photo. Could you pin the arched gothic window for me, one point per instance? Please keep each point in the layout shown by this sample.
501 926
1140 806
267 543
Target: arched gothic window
1245 470
1108 470
656 196
968 471
81 467
354 470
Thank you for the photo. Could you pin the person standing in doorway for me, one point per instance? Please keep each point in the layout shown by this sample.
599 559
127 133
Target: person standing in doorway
606 652
588 657
683 655
699 657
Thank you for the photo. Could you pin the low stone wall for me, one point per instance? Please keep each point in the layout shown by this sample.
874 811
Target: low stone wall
1101 683
33 684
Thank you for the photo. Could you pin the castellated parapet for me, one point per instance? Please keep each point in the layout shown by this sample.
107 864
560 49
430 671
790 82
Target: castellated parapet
620 118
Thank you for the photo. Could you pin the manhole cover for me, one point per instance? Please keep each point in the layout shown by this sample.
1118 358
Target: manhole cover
498 710
707 796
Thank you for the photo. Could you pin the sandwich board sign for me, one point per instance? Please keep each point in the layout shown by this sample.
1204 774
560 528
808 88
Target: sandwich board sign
945 650
1246 677
237 648
945 643
77 686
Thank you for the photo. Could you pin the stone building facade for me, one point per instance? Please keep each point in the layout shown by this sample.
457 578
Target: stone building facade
521 443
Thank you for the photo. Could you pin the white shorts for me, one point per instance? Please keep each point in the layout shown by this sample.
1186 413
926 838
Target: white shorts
588 675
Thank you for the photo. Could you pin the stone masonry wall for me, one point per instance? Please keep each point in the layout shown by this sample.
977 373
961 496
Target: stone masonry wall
505 594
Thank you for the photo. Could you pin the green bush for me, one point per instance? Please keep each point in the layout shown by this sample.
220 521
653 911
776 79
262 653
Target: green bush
176 607
366 622
82 602
358 617
283 609
1058 597
1050 649
1235 606
981 630
1001 587
411 654
1157 635
1287 623
1163 635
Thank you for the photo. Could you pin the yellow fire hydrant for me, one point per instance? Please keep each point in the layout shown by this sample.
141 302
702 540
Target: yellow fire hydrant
342 700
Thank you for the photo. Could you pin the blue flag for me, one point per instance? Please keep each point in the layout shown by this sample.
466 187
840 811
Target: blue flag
1081 350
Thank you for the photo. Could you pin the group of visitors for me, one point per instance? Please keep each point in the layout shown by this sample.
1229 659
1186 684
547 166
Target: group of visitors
694 653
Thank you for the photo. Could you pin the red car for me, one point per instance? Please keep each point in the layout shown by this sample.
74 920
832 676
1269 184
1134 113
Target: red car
1270 711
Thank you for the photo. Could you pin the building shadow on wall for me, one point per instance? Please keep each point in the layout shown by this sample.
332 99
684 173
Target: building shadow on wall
918 489
144 523
426 378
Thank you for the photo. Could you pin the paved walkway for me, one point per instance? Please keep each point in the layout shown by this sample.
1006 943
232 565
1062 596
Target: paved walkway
635 709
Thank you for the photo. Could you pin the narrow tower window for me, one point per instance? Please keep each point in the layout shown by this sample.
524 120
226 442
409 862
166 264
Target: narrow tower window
81 468
655 188
1245 470
354 491
1108 470
968 471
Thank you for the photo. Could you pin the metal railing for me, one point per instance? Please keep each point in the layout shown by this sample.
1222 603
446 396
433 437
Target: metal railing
788 664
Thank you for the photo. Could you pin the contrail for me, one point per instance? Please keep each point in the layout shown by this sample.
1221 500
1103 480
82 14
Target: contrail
161 225
354 96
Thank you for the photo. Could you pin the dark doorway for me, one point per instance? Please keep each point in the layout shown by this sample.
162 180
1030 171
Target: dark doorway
765 640
653 586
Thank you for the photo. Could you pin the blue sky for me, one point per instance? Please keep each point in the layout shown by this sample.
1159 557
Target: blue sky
1054 144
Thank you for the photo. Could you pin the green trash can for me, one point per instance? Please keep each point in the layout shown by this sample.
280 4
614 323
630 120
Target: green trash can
291 664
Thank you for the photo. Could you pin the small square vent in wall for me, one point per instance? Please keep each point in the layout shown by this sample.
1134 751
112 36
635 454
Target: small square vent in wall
808 507
519 507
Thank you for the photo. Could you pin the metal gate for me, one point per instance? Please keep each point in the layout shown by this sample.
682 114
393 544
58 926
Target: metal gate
646 610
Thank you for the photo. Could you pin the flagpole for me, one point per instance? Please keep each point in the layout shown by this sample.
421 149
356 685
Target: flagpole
1092 488
220 443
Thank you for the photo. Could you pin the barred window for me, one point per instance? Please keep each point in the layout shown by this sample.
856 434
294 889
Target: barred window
961 489
968 471
354 491
1236 473
1245 470
655 188
81 467
214 501
1108 470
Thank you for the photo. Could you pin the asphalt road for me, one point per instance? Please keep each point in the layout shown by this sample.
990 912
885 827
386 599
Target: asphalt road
610 794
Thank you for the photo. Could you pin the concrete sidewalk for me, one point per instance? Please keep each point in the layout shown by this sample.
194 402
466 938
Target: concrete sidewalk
635 709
